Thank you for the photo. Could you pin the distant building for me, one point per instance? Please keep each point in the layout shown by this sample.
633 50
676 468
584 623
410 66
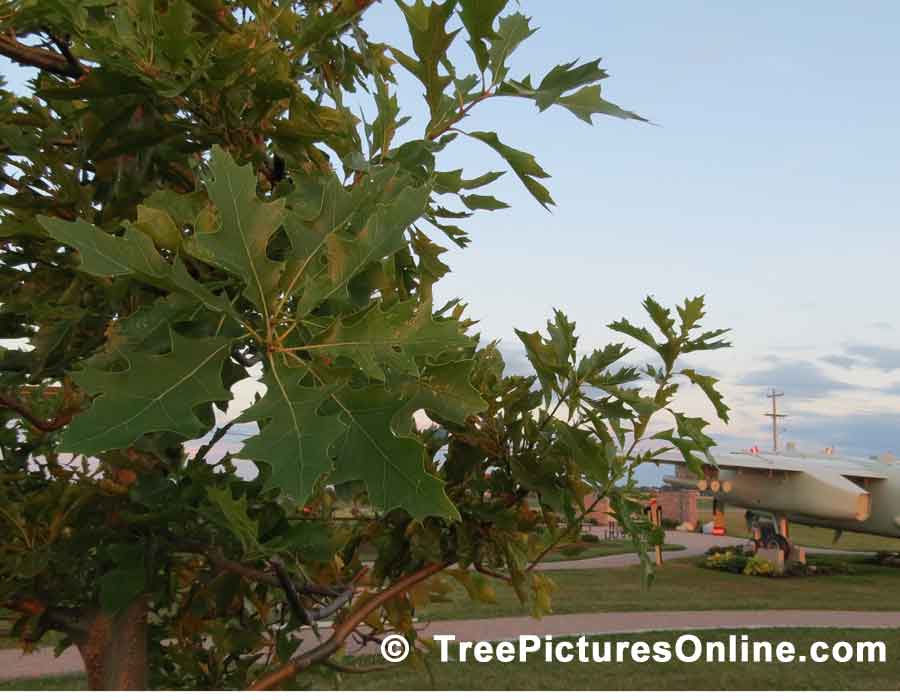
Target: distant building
680 506
600 512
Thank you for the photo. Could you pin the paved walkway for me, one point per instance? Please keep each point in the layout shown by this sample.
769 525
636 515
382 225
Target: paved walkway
694 545
42 662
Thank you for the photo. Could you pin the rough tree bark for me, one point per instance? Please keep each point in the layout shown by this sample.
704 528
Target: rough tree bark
114 648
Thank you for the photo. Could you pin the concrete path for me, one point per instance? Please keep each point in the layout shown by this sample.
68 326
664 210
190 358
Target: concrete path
694 545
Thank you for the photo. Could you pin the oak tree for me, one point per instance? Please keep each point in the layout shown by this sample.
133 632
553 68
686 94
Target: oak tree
198 192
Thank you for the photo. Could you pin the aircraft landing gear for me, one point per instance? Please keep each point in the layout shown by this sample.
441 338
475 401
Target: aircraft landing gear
768 534
772 540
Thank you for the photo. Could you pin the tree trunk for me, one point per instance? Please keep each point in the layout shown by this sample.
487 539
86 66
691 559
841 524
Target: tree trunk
114 648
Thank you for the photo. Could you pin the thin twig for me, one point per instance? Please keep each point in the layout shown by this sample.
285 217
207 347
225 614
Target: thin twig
46 426
578 522
216 436
290 592
343 630
493 574
66 51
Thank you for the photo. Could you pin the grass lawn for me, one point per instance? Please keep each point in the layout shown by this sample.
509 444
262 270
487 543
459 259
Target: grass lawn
803 535
72 682
538 675
629 675
682 585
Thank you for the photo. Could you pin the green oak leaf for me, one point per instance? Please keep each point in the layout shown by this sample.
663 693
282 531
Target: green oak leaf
348 254
483 201
453 181
691 313
155 393
560 80
572 86
133 254
119 587
545 361
236 517
183 208
588 101
523 164
707 384
246 224
392 467
428 29
294 438
383 129
148 329
392 338
105 255
639 333
431 267
478 16
308 540
443 390
661 317
316 209
160 226
511 32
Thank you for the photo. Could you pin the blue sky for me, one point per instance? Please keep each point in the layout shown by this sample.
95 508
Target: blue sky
768 183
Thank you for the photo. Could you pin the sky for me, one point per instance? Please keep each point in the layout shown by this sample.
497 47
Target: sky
767 182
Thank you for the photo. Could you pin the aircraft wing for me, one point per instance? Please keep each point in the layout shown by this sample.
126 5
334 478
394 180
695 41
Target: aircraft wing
778 463
817 487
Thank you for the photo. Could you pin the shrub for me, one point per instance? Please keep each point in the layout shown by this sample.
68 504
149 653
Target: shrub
732 549
757 566
572 550
727 561
589 537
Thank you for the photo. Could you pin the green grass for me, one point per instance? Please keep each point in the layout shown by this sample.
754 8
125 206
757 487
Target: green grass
70 682
803 535
682 585
629 675
538 675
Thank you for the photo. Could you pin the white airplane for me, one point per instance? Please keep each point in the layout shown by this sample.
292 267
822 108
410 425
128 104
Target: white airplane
840 493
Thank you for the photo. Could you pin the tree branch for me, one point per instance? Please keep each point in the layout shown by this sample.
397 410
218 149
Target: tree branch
481 569
46 426
321 653
577 523
341 595
216 436
66 51
290 592
35 57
